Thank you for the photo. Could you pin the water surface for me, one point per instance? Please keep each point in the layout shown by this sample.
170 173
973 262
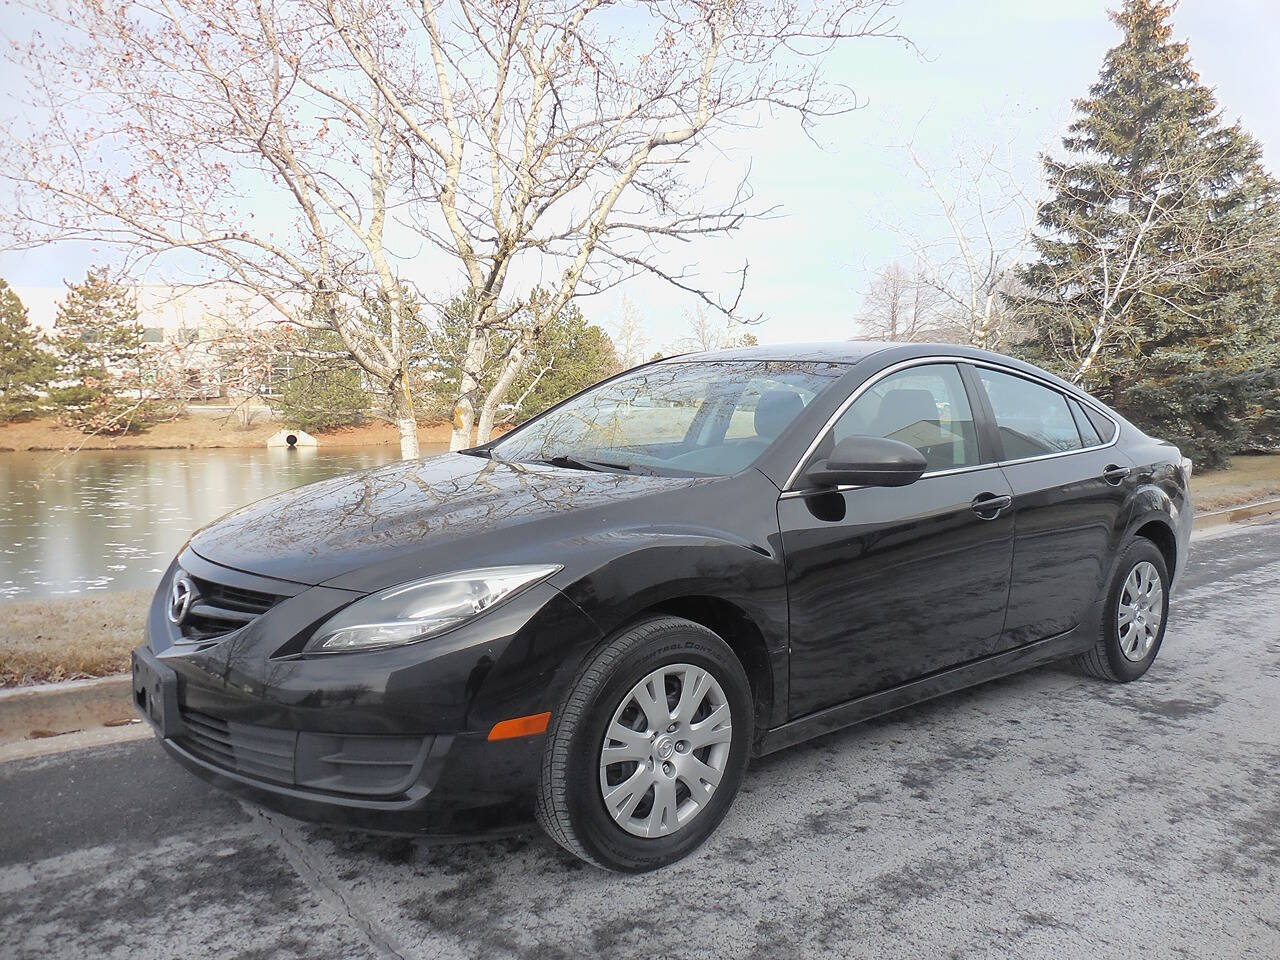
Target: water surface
76 524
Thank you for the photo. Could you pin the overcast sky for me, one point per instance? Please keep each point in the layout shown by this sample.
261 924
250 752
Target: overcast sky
991 73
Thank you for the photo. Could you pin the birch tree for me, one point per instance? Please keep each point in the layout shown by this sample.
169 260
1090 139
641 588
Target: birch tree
986 225
290 145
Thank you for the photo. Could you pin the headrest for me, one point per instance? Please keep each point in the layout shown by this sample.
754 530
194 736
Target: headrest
775 410
902 408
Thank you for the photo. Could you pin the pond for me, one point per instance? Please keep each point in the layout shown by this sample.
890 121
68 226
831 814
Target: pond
75 524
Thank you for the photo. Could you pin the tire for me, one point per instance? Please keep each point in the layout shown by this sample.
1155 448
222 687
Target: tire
571 804
1108 660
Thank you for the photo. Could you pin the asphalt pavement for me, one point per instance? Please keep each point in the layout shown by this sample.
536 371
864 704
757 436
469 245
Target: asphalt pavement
1045 815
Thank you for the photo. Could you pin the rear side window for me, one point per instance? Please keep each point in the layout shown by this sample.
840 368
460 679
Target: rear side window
925 407
1088 432
1105 426
1033 420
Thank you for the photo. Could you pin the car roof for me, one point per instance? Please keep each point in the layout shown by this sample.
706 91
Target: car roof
854 351
836 351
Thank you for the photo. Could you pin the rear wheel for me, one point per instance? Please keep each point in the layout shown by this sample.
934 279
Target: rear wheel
1133 616
647 752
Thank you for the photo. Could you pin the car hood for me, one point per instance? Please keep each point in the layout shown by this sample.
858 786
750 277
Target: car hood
418 517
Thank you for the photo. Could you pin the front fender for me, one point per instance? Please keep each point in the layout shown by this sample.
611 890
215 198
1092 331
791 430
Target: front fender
650 569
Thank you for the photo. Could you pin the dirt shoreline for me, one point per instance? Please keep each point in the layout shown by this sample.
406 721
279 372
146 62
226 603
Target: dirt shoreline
199 432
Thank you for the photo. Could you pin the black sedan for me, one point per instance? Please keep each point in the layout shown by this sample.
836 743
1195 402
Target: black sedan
597 619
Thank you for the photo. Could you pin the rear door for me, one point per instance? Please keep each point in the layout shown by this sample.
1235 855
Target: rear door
887 584
1070 488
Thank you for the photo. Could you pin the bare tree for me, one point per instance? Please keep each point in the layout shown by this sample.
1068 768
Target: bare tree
986 230
711 331
541 129
549 133
236 132
902 305
629 340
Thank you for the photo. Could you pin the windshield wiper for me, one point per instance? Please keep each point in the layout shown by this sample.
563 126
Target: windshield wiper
574 463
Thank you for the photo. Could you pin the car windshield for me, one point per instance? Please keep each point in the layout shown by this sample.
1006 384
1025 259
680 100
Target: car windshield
691 418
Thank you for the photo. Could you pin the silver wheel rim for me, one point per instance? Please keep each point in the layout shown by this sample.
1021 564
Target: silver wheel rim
1140 611
665 750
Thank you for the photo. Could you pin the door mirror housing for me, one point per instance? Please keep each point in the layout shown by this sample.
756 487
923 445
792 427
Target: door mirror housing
868 462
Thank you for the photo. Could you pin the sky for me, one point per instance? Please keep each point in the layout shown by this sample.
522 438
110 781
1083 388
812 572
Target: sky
997 74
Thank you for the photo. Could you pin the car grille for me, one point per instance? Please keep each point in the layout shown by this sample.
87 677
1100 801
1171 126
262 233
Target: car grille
255 751
338 763
219 609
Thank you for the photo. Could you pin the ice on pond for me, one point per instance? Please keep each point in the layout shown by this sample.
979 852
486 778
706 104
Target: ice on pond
111 520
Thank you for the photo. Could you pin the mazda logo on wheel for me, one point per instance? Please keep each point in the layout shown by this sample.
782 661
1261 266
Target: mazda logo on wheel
181 594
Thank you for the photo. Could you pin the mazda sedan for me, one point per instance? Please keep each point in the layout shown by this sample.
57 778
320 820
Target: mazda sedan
597 619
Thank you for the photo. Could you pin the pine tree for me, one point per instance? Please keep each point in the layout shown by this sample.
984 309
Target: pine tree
1157 263
324 388
102 363
25 366
571 354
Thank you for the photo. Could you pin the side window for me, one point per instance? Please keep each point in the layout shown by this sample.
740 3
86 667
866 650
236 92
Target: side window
1104 425
923 406
1088 433
1032 419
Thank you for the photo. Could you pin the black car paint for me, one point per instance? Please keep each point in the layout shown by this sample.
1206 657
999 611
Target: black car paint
854 629
843 604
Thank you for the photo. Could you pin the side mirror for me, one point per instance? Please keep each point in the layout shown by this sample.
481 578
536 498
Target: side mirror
868 462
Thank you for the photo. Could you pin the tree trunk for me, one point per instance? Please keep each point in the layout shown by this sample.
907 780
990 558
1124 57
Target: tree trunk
406 423
464 407
510 370
464 415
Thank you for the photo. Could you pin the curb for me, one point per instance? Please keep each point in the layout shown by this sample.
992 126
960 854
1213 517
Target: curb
57 708
1248 511
80 740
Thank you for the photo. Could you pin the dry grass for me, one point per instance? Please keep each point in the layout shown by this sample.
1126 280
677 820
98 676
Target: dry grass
197 432
66 638
1249 478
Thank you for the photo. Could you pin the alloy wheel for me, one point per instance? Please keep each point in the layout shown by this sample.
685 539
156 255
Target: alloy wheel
1140 611
665 750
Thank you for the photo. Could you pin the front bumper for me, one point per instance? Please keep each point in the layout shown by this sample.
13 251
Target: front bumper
389 741
447 804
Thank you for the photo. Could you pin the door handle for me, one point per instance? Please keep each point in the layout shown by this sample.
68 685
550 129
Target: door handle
988 506
1115 474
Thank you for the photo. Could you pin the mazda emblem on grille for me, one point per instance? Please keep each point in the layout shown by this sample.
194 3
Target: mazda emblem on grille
181 594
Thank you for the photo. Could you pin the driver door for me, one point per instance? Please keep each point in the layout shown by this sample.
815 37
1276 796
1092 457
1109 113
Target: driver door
888 584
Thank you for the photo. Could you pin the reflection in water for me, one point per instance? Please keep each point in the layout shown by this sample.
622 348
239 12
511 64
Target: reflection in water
112 519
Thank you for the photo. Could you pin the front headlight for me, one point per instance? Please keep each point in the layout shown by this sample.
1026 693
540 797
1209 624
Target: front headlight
423 608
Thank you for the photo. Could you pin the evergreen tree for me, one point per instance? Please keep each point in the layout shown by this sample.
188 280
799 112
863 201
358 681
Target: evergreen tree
568 355
103 366
324 388
571 355
1156 269
25 366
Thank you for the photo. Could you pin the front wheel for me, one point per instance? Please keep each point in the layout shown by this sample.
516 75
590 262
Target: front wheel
645 756
1133 616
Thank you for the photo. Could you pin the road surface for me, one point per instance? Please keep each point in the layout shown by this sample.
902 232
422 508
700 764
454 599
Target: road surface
1045 815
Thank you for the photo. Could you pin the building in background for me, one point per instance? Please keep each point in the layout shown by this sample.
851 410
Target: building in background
211 343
